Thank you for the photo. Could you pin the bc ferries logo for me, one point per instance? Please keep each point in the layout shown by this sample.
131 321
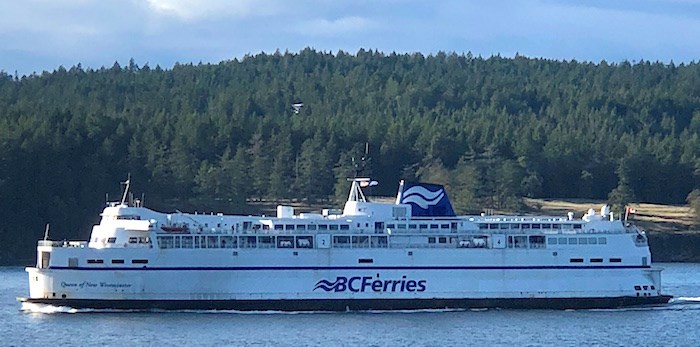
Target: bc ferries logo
370 284
426 199
422 197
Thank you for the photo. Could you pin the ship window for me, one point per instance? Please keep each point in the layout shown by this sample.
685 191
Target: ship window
360 241
305 241
289 227
582 240
562 240
520 241
615 260
95 261
515 226
556 226
380 241
165 241
573 241
576 260
333 227
133 240
176 244
536 241
390 226
187 242
266 241
285 242
341 241
602 240
442 239
433 226
398 212
552 240
212 242
117 261
503 226
265 227
112 240
546 226
493 226
424 226
525 226
196 242
72 262
510 241
652 288
248 241
431 239
255 226
447 226
301 227
637 287
365 261
596 260
139 261
322 227
537 226
228 242
567 226
483 226
279 227
401 226
311 227
592 241
44 260
412 226
577 226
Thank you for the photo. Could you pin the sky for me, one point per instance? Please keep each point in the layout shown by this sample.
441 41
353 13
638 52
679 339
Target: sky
41 35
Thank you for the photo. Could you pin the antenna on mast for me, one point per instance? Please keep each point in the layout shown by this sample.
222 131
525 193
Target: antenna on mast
362 165
46 232
126 184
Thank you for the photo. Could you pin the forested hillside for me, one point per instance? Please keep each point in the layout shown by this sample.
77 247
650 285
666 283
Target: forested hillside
208 137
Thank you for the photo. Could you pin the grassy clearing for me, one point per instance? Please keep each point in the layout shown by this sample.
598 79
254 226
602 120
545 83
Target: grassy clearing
651 217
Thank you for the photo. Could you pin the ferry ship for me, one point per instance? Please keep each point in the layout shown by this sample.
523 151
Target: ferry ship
409 255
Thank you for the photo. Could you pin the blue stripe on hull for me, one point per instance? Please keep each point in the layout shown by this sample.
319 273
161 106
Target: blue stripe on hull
288 268
357 304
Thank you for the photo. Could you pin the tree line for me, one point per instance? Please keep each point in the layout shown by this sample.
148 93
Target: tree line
215 136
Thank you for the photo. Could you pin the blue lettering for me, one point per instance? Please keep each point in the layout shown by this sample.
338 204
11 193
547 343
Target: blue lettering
354 284
350 284
340 284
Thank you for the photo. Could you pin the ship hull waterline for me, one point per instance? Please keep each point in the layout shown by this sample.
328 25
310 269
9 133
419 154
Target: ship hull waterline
339 305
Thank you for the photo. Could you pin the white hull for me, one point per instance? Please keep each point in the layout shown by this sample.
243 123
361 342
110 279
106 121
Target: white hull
374 256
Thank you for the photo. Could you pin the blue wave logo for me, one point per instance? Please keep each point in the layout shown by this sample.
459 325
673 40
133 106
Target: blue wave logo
422 196
327 285
371 284
426 199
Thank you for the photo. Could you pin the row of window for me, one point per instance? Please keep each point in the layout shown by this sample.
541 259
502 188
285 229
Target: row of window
528 226
577 240
268 241
444 226
523 241
114 261
301 227
595 260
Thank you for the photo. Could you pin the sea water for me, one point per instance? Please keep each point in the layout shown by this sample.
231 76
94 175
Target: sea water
675 324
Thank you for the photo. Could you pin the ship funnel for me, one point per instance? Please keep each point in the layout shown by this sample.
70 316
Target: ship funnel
426 199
